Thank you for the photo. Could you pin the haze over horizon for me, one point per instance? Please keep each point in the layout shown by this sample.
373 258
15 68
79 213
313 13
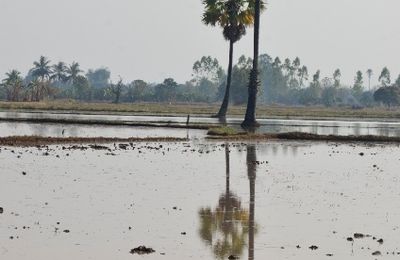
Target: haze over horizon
153 40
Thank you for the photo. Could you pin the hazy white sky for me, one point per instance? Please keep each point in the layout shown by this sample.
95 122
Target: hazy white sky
152 40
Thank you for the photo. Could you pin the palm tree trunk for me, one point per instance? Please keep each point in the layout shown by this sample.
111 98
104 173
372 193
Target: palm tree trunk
250 118
224 107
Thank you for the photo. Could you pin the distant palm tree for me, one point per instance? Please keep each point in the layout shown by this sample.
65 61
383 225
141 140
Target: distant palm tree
41 69
73 72
384 78
233 16
13 85
369 74
59 72
250 117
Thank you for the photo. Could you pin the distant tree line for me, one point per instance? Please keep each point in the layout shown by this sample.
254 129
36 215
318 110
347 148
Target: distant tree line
286 82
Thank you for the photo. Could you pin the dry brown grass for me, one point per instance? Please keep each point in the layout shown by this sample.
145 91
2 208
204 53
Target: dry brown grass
167 109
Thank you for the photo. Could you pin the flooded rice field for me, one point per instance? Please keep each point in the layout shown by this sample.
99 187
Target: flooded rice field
201 200
335 126
81 130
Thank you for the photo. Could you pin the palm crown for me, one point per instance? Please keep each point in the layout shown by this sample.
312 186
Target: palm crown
41 68
232 15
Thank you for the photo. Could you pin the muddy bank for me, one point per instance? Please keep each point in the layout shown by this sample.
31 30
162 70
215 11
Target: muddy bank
304 136
38 140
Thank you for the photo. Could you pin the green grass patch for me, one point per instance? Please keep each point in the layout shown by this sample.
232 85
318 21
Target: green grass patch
222 131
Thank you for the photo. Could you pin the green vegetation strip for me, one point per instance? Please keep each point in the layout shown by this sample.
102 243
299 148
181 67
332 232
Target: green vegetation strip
38 140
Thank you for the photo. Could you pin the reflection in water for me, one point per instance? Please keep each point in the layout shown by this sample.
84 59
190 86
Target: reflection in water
251 173
226 228
78 130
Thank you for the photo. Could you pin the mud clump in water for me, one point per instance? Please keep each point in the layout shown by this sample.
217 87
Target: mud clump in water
376 253
142 250
98 147
359 235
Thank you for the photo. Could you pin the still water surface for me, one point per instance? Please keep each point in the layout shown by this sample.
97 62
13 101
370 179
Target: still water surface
200 201
80 130
326 127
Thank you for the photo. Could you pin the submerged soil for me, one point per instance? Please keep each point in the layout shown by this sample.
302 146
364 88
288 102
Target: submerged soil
299 136
39 140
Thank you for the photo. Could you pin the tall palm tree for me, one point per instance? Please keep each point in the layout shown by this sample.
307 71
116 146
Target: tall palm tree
41 69
59 72
250 117
233 16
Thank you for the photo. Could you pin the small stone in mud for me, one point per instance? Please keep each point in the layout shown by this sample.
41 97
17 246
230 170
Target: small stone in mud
1 210
361 154
377 253
183 233
175 208
24 173
141 250
380 241
298 247
313 247
329 254
233 257
66 231
358 235
350 239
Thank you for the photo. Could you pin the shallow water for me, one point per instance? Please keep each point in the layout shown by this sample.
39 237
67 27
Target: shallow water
326 127
298 194
79 130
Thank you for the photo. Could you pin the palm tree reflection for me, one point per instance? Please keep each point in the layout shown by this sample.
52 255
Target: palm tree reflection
251 173
226 228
